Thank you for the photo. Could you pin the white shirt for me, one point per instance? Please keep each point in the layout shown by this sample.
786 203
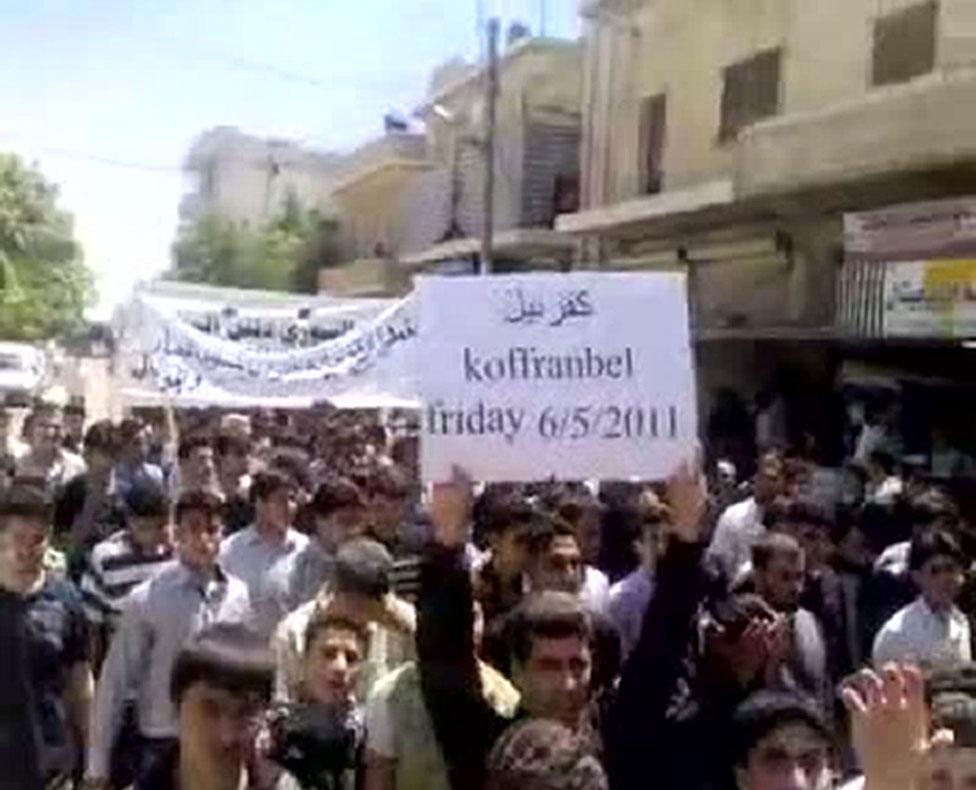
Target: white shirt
888 491
595 593
918 635
738 530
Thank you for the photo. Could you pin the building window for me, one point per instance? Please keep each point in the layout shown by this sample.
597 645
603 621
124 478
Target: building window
653 128
904 44
750 93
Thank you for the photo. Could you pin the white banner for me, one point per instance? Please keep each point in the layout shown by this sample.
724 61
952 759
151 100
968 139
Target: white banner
355 353
571 376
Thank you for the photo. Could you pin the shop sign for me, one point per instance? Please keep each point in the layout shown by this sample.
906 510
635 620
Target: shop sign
930 299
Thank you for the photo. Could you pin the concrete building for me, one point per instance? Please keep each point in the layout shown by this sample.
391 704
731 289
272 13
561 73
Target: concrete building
536 159
729 138
247 179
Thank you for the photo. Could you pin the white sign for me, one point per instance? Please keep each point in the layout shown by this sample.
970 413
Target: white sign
572 376
930 299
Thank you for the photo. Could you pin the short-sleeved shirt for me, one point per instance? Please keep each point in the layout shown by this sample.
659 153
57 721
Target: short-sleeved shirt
57 640
399 728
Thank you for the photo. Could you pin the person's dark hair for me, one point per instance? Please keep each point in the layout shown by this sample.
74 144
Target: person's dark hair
24 498
148 499
208 502
933 543
191 443
267 483
505 512
337 493
363 566
227 656
765 711
952 696
545 528
101 436
546 615
129 429
324 622
785 511
772 544
537 754
932 508
226 444
389 482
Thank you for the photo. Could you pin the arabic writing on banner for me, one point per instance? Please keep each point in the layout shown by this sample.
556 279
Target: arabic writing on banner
570 376
187 363
930 299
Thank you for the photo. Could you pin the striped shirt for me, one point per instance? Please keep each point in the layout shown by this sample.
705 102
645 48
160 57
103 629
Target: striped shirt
116 566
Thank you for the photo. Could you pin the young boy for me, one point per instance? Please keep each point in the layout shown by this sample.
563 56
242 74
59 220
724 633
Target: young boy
931 631
219 687
126 559
184 598
45 674
320 739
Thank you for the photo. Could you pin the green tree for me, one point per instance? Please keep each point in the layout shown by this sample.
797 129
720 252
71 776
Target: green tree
44 283
284 255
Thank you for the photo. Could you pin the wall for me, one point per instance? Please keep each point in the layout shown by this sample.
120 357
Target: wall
681 47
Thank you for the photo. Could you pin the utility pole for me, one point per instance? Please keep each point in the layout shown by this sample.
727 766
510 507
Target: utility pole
491 119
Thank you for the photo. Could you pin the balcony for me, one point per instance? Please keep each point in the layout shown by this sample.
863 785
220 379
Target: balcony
926 125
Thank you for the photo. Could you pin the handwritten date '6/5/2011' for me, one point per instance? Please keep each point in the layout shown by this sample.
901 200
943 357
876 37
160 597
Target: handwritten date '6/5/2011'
608 422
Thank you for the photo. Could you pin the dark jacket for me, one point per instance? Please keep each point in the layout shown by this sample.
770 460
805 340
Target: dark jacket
465 725
667 713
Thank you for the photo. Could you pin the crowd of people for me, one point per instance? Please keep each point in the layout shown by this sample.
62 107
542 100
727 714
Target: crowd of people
206 600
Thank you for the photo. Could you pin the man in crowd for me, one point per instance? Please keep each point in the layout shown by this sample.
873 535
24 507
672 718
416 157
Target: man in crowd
466 706
126 559
339 514
741 525
780 740
160 614
580 509
263 555
89 508
47 680
931 631
500 577
392 497
47 459
133 467
219 688
320 738
234 475
799 651
74 425
358 589
12 447
629 596
197 469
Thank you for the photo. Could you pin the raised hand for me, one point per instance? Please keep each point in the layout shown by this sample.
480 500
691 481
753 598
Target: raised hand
890 725
687 503
450 509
